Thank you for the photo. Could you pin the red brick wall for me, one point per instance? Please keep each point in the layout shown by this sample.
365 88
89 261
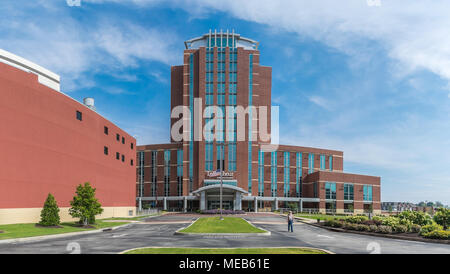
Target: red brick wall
46 149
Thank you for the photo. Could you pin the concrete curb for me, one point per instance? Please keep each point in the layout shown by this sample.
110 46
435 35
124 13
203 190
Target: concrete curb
267 233
61 235
313 248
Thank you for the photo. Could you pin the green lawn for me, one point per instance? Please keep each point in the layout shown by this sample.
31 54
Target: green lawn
225 251
318 216
215 225
30 230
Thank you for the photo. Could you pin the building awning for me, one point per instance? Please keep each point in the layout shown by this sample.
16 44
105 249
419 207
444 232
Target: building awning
217 186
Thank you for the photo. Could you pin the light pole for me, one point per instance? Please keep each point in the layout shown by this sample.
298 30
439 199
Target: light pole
222 145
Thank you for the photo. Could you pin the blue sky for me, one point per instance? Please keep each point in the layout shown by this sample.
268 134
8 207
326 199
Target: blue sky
372 81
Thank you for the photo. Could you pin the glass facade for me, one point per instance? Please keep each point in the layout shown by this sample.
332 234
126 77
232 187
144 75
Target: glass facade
260 173
310 163
273 173
286 173
180 172
191 108
322 162
154 172
250 117
298 183
166 172
141 173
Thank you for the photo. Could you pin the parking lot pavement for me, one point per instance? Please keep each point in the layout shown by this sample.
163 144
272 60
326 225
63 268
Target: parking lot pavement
159 231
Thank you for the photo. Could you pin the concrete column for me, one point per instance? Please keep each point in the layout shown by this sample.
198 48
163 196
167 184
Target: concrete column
165 203
300 206
276 203
140 203
238 201
202 200
256 204
185 204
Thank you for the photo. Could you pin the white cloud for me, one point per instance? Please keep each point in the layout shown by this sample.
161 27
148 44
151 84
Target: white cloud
53 39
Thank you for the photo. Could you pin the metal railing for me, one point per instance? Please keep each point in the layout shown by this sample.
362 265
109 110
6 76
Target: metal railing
145 212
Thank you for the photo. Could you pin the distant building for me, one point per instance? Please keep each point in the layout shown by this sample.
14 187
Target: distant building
398 206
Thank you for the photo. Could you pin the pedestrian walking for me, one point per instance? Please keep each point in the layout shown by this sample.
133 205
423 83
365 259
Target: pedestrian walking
290 222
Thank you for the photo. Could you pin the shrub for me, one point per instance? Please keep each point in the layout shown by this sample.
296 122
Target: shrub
50 212
350 226
429 228
416 217
361 227
438 234
400 229
373 228
390 221
356 219
384 229
442 217
415 228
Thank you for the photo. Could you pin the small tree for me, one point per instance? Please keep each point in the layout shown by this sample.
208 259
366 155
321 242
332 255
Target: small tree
50 212
84 205
442 217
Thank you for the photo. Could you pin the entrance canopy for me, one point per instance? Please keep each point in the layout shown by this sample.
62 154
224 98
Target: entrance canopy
210 194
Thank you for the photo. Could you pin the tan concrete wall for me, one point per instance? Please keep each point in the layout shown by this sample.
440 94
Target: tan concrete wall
33 215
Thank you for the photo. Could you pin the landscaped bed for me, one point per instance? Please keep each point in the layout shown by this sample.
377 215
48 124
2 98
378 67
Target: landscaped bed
227 225
408 224
289 250
30 230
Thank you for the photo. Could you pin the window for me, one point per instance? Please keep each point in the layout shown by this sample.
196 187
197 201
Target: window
132 146
123 140
105 150
367 192
117 155
131 162
105 130
310 163
330 191
123 158
117 137
79 116
322 162
330 161
348 192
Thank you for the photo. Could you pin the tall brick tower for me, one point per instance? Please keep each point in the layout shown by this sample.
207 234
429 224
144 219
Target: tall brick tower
221 68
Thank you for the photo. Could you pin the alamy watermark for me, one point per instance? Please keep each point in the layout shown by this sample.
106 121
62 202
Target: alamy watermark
373 3
73 3
226 123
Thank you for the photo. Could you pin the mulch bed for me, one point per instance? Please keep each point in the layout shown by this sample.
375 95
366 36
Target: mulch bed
1 231
51 226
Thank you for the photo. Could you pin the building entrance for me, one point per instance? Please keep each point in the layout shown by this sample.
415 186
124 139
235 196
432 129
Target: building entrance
226 205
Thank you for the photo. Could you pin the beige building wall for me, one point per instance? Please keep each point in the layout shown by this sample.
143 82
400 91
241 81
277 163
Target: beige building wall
33 215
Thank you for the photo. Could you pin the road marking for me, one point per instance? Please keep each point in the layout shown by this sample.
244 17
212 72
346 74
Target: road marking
120 235
325 236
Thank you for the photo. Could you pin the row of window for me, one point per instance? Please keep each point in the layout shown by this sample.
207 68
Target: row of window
330 191
118 156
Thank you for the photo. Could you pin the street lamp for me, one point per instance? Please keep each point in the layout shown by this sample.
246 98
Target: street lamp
222 145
